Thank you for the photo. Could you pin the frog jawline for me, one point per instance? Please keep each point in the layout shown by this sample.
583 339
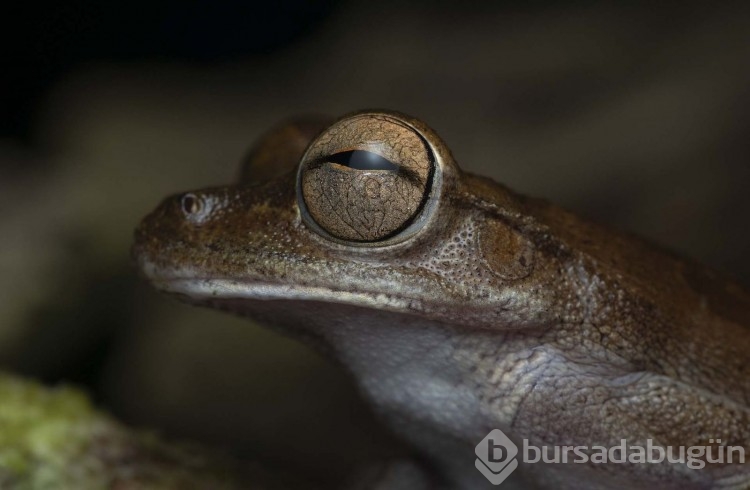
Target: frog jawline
199 290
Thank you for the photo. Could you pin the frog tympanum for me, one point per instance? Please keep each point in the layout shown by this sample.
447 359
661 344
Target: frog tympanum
460 307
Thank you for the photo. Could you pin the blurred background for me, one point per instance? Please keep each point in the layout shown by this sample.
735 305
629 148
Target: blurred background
636 114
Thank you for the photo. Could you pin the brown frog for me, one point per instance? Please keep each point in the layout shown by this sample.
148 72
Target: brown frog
461 307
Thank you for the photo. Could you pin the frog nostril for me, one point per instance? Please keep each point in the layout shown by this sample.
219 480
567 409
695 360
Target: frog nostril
191 204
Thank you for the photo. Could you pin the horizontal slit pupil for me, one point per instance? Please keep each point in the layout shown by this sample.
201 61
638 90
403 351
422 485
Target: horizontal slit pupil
362 160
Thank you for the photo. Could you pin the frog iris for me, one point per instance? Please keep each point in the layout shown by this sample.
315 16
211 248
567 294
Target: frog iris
365 179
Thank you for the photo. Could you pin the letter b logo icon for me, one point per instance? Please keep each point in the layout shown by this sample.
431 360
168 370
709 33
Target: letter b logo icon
496 457
497 452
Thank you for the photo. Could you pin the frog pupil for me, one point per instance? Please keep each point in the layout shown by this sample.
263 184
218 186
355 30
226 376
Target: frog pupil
362 160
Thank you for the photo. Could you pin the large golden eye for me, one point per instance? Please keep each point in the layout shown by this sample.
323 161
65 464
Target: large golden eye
366 178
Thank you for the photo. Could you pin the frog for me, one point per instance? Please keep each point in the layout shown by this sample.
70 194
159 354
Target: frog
460 306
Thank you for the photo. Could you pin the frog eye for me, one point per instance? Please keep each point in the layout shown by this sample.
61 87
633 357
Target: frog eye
366 178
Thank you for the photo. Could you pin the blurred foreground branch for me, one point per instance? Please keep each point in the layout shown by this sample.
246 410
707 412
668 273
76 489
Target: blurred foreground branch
55 438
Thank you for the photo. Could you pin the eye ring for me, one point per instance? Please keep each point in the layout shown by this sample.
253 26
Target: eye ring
380 203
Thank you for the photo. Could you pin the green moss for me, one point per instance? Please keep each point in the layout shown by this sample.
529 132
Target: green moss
53 438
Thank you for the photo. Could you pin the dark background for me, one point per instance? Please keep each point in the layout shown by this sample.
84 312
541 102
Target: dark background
635 114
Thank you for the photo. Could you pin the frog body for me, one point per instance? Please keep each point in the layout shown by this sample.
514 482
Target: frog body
460 306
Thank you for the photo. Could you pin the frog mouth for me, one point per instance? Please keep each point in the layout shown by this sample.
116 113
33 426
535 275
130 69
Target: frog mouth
247 296
199 290
192 286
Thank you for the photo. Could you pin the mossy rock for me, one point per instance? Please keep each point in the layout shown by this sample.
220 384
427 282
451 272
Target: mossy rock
53 438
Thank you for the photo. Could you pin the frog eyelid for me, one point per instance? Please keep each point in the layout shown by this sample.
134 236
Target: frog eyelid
406 173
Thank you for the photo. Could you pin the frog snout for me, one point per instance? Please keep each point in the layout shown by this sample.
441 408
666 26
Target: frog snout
156 229
180 218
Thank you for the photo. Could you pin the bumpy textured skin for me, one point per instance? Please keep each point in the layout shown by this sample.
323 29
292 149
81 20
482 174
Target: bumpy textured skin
500 312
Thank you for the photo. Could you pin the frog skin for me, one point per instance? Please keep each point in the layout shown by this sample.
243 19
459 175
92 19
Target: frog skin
460 306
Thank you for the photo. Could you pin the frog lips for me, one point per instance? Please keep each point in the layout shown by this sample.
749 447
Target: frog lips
216 289
190 286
